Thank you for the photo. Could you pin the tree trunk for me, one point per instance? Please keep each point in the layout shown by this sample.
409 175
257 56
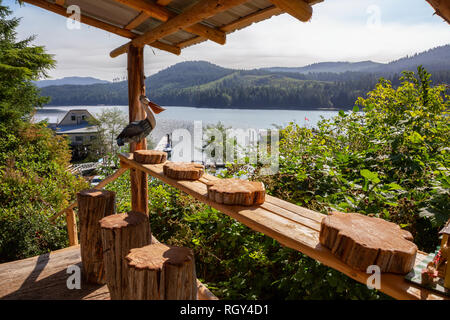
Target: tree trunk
93 205
120 234
160 272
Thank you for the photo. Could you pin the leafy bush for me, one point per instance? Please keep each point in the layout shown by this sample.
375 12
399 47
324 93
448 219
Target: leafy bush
34 183
389 161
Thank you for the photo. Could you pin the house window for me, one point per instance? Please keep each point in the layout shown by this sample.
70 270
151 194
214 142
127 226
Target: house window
92 138
79 139
72 118
83 117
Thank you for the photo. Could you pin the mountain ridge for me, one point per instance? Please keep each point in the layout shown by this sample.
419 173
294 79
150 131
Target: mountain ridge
203 84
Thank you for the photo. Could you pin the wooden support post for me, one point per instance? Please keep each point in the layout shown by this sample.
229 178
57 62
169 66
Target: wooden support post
120 234
93 205
136 88
72 227
160 272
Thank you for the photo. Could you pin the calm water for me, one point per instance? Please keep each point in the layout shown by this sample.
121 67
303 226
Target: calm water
258 119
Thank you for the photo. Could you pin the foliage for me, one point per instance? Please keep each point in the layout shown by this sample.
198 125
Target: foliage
389 161
34 183
109 124
201 84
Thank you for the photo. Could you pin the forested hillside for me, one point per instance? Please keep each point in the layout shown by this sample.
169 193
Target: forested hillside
202 84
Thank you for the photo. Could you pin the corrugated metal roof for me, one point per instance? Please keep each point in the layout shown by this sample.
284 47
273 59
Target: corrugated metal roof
118 15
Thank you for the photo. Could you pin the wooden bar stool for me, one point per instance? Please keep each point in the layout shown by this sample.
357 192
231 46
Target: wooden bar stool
161 272
121 233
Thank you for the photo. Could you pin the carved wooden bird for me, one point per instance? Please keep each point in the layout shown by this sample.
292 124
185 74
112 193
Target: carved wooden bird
138 130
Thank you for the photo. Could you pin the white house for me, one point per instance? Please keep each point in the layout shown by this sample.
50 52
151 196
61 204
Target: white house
76 126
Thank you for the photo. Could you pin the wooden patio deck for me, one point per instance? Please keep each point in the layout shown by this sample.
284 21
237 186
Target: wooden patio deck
44 278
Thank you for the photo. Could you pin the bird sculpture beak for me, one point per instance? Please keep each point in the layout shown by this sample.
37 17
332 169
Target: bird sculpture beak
155 108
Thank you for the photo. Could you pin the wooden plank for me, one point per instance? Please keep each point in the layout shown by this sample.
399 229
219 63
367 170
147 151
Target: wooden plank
201 10
136 22
293 228
101 25
44 278
238 24
72 230
297 8
163 14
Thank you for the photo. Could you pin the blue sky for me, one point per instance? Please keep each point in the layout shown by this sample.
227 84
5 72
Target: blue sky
340 30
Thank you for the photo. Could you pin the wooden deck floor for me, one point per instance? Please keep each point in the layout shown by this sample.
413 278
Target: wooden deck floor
293 226
44 278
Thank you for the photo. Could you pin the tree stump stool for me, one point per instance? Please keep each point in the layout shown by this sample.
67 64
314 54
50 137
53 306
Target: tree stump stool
161 272
361 241
93 205
120 234
150 156
236 192
183 170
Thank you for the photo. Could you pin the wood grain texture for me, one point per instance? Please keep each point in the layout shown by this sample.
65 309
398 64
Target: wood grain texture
93 205
120 234
150 156
236 192
136 88
183 171
44 278
301 236
361 241
161 272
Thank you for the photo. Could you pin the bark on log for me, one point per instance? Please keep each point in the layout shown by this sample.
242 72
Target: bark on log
362 241
160 272
183 171
150 156
236 192
120 234
93 205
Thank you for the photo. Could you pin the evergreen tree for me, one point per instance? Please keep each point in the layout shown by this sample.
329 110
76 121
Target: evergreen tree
20 64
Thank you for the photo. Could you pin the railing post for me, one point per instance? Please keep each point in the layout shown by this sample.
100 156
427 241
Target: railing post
72 230
136 88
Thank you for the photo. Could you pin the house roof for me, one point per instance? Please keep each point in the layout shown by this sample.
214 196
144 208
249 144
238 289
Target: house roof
74 110
172 25
76 129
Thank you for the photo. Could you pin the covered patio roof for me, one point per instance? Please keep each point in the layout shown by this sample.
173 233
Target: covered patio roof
172 25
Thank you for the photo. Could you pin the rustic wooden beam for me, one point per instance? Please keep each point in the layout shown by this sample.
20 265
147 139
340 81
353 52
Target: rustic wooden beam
163 2
161 13
238 24
136 22
101 25
136 88
296 8
72 230
442 8
201 10
60 2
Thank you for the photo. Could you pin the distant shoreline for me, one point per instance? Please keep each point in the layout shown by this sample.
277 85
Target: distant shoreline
53 107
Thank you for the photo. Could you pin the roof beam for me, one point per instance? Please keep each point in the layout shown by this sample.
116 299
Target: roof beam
442 8
136 22
161 13
101 25
296 8
163 2
201 10
238 24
